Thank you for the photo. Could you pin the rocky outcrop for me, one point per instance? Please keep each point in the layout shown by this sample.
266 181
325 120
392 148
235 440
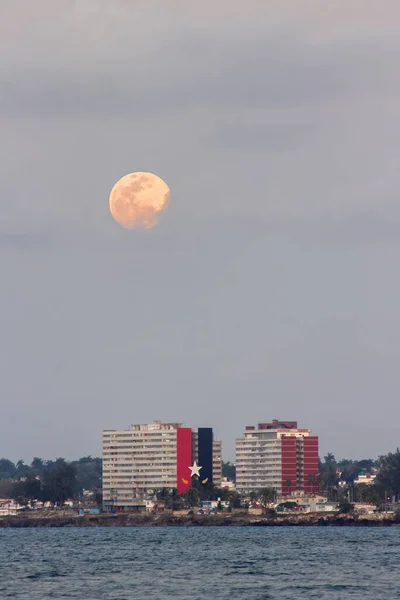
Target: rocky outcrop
218 520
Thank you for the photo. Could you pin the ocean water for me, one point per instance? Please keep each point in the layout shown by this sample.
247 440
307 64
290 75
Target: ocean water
200 563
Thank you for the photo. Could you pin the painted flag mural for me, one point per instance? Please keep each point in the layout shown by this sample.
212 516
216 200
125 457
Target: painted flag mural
205 454
184 459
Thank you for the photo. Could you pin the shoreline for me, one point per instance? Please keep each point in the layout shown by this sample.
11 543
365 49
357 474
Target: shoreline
172 520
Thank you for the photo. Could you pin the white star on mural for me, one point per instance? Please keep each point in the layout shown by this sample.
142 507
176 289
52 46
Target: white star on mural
195 469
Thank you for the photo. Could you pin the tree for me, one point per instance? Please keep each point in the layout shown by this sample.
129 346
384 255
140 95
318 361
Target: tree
214 493
22 470
286 506
370 494
37 466
88 473
330 458
7 469
388 476
288 485
312 479
328 477
163 495
345 506
170 497
229 471
366 465
191 497
98 497
6 487
88 476
59 482
25 492
349 470
176 500
253 497
235 500
266 497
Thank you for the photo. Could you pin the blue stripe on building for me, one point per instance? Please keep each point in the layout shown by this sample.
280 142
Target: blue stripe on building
205 453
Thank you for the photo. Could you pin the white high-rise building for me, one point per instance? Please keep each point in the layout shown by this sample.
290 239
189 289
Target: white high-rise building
277 455
144 458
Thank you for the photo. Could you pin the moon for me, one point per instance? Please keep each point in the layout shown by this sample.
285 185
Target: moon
137 199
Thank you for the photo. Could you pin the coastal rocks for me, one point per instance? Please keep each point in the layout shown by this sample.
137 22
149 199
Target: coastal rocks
217 520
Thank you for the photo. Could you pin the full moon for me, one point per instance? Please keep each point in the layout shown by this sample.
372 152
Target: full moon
137 199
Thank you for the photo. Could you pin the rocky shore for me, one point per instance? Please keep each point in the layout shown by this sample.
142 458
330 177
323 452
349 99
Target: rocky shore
219 520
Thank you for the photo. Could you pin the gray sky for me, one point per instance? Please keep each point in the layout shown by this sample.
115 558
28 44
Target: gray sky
270 287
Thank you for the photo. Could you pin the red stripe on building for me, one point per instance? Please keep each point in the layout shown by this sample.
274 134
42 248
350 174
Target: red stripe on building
310 464
289 465
184 459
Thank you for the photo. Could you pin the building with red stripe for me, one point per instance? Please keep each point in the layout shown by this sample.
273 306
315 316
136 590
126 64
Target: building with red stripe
145 458
277 455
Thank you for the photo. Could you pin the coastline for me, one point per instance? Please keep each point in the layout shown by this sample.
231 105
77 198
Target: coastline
179 520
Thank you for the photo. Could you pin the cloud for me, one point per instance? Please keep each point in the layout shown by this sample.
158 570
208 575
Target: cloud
121 70
229 78
298 112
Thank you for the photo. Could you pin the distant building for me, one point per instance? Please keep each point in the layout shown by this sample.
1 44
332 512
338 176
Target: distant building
364 508
145 458
277 455
9 508
320 507
226 484
366 478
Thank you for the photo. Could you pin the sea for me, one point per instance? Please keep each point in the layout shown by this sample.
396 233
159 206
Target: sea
200 563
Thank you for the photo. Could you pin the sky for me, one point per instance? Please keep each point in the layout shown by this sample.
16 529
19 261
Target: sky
269 288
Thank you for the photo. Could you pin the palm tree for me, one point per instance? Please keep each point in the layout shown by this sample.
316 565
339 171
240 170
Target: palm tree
191 497
388 477
328 477
312 479
7 469
163 495
37 466
266 496
330 458
22 470
253 497
176 499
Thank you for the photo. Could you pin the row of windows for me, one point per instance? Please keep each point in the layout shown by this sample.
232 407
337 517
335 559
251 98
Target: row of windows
134 447
244 472
140 455
141 434
135 472
141 463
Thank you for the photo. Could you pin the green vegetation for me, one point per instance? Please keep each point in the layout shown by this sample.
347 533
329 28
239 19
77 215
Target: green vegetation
7 469
266 496
345 506
229 471
388 477
50 481
58 480
337 479
286 506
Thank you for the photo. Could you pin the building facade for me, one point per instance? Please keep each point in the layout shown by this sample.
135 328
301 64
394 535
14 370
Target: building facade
9 507
277 455
146 458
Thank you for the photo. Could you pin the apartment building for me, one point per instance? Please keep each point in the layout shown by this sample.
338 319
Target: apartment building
277 455
144 458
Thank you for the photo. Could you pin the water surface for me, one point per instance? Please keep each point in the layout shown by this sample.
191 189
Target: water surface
200 563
